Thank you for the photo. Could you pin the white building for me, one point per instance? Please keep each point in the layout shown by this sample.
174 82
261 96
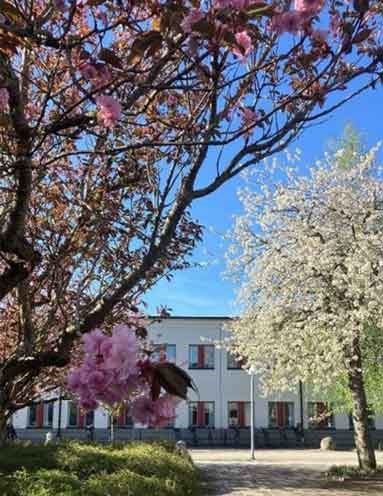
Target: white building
223 398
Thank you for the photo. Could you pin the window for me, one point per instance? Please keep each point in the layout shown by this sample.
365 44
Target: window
201 356
36 414
73 419
164 353
124 420
281 414
201 414
79 418
239 413
318 416
32 416
234 363
89 418
371 420
48 414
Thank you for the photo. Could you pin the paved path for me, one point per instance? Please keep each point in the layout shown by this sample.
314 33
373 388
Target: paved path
277 473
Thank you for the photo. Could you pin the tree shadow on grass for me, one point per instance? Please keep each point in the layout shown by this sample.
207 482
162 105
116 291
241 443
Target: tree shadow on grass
251 479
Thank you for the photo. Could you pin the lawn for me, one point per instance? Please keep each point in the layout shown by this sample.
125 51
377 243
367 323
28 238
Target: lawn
76 469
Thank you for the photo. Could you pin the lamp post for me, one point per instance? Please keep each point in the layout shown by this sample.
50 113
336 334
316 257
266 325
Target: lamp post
252 412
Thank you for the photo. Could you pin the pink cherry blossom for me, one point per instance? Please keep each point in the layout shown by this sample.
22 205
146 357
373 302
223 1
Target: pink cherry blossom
288 22
165 408
123 352
88 71
244 41
319 36
143 410
109 110
249 116
4 99
157 413
192 18
234 4
93 341
98 74
74 379
309 6
88 404
60 5
97 380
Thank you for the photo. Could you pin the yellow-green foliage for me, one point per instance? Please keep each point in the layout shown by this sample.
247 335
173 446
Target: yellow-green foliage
76 469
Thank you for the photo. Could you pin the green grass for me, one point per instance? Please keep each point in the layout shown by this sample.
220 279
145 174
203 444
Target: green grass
352 472
76 469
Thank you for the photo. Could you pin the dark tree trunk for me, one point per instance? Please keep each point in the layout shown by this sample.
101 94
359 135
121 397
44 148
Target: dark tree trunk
363 441
3 427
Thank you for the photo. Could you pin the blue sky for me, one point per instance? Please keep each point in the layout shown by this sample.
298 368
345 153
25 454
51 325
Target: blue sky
202 291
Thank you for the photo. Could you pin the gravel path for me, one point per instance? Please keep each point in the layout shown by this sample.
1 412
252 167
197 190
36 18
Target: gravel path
277 473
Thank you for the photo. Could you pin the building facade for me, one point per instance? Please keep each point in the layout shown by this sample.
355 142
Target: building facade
222 402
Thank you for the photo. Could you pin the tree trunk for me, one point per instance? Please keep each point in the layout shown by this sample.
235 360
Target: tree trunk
3 427
363 442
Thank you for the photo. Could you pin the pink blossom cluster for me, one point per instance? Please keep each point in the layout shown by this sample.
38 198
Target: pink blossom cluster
234 4
194 16
157 413
109 110
4 99
295 20
244 43
98 74
112 374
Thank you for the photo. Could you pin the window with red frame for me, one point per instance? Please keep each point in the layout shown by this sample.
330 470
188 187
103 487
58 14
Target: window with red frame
239 414
164 353
41 414
78 418
281 414
201 414
124 420
201 356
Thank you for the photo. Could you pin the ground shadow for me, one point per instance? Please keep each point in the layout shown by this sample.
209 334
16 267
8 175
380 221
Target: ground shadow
252 479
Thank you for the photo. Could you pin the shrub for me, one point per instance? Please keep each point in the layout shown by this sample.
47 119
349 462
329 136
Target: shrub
79 469
353 472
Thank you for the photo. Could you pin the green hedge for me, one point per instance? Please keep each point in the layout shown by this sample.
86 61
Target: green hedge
77 469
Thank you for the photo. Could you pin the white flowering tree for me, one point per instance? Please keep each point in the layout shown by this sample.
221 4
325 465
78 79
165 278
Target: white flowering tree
309 254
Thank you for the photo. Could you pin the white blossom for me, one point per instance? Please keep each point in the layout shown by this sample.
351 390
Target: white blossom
308 252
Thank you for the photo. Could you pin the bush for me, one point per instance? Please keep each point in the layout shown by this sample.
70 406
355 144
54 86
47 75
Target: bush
352 472
77 469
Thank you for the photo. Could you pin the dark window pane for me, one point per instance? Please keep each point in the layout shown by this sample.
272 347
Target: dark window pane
89 418
193 413
48 414
193 356
32 415
209 357
208 414
73 414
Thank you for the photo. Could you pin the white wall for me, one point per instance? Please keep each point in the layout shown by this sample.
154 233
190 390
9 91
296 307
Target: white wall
220 385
